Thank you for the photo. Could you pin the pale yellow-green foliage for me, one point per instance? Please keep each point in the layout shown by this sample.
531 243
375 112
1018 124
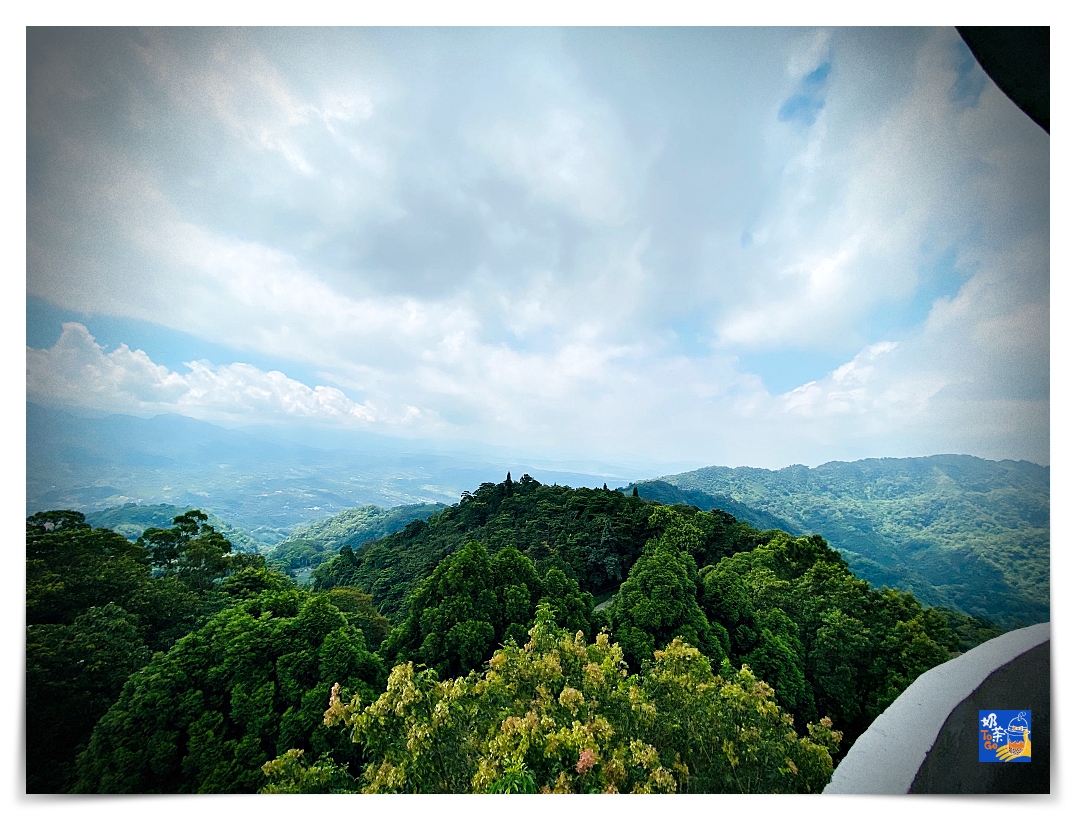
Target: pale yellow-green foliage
288 775
561 715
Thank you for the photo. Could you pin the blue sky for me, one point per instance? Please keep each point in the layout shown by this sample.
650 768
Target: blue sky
717 246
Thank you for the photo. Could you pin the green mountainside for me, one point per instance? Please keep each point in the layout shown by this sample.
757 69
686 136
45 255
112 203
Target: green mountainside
131 520
469 578
728 658
956 531
667 493
594 536
313 543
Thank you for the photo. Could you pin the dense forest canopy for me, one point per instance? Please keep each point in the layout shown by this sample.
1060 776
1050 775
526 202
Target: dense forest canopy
593 536
97 607
955 530
528 638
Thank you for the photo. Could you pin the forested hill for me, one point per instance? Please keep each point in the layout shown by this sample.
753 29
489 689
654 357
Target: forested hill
310 545
594 536
955 530
667 493
131 520
468 578
727 658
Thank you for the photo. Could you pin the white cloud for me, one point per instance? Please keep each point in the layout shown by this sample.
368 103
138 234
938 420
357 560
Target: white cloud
77 371
573 157
865 205
807 52
853 388
513 246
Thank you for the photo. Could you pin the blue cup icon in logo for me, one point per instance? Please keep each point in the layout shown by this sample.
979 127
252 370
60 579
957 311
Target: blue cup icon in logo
1018 726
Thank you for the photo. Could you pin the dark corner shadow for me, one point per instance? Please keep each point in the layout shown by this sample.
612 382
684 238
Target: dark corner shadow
1017 59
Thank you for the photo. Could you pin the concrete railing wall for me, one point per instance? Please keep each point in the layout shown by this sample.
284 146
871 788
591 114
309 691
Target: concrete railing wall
927 740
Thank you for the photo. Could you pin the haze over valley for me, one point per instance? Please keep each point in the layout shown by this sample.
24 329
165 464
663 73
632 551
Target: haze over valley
262 483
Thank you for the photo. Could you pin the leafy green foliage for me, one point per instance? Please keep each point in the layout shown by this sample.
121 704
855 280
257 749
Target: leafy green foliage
473 603
358 607
73 673
730 734
956 531
828 643
570 606
593 536
287 775
748 674
563 715
968 631
194 552
71 567
789 608
131 520
658 600
249 685
95 613
314 543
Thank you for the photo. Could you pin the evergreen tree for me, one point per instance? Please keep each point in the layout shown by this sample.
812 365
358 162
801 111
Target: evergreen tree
658 600
246 687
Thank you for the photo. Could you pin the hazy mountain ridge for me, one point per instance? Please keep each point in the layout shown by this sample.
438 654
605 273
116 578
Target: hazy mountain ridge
956 530
265 487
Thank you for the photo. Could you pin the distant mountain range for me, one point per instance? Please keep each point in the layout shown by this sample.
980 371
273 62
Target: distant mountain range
263 484
666 493
955 530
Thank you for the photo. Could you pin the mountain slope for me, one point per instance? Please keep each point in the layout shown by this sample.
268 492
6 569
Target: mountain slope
669 494
313 543
131 520
955 530
593 536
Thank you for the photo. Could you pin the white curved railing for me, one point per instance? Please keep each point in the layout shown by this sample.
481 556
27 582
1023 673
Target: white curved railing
886 758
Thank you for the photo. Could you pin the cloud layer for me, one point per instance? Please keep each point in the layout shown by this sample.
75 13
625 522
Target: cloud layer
77 371
559 240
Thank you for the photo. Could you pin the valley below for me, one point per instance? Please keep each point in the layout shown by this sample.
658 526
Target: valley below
956 531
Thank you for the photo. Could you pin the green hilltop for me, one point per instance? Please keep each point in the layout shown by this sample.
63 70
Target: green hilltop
957 531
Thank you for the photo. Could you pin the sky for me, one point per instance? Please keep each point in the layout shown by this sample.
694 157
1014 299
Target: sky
724 246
